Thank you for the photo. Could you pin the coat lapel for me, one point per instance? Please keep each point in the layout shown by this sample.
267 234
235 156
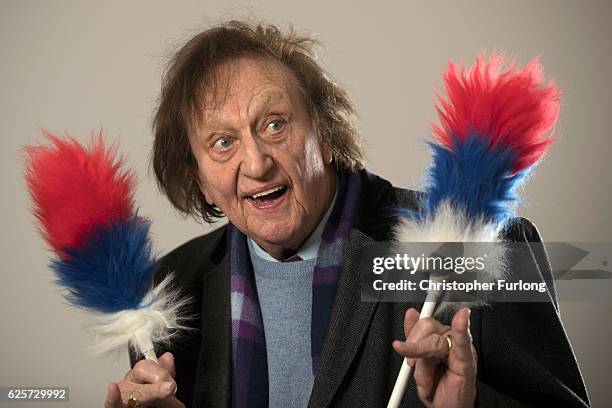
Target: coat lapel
216 349
349 322
351 317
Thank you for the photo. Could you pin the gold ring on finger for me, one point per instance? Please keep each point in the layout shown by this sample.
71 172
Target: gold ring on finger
449 340
132 401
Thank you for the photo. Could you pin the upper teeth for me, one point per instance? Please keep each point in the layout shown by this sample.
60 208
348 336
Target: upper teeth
270 191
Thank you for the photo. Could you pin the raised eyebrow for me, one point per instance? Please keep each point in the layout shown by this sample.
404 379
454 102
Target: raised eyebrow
272 98
205 135
215 125
212 126
210 119
262 104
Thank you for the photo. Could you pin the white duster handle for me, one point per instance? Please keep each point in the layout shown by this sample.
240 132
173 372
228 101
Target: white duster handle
404 375
145 345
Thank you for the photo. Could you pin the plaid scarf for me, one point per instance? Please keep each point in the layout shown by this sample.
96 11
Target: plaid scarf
249 358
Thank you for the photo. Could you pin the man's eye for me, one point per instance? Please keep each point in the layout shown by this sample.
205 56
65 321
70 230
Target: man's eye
223 143
276 125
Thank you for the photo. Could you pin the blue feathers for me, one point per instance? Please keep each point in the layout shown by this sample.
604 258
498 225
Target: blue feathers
474 178
112 271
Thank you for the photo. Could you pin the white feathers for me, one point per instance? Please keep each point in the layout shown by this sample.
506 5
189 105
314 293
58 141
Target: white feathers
450 224
157 318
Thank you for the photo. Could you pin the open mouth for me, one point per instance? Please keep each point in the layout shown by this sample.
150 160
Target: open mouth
268 196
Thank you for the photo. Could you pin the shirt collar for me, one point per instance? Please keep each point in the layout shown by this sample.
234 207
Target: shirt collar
310 248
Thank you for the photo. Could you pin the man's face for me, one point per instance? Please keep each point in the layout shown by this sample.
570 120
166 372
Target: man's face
259 158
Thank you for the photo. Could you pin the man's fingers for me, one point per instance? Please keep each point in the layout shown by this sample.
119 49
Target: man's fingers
410 319
148 372
166 361
113 397
428 344
149 383
462 338
434 346
416 330
147 393
425 327
424 377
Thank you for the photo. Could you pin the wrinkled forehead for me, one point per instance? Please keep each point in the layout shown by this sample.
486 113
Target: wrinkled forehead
246 83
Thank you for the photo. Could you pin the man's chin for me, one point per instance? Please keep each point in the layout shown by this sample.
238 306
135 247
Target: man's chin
272 240
272 237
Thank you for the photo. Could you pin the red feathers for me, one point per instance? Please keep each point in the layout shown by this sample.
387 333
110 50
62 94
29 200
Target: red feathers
512 108
76 190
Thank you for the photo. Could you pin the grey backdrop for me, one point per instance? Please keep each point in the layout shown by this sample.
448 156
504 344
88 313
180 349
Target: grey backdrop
78 66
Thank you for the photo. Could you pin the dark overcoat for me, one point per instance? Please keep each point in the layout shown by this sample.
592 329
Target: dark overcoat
524 356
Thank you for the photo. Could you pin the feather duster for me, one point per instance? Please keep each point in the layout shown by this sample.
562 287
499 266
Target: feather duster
83 201
495 126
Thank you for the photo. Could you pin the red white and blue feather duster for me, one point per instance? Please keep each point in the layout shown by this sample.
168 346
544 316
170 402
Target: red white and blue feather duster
83 201
496 125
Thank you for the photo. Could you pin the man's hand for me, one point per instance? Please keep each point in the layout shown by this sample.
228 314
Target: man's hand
151 384
445 377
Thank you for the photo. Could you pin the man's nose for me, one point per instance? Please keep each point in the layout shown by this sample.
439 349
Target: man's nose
257 161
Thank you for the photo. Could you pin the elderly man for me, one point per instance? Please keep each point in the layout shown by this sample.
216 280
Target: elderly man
250 127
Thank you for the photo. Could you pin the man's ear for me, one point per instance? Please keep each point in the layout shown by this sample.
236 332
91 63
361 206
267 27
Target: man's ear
327 151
